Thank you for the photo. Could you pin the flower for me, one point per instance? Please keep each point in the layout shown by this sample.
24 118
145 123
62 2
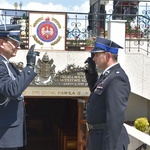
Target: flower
131 28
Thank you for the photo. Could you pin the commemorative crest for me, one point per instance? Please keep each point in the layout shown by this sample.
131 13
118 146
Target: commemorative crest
47 31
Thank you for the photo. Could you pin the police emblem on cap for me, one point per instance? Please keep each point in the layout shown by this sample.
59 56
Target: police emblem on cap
105 45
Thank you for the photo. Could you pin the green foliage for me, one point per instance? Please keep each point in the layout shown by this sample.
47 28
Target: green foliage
24 16
142 124
90 41
148 131
132 29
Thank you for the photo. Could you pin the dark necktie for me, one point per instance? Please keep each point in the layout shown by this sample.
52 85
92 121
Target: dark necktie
103 76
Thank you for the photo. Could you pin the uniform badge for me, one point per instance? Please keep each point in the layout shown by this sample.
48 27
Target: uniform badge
117 72
98 90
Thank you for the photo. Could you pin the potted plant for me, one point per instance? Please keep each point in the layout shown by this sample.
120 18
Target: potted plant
89 43
74 44
142 124
133 31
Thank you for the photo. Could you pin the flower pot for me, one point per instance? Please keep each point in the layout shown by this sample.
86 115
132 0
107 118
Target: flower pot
134 35
88 48
73 48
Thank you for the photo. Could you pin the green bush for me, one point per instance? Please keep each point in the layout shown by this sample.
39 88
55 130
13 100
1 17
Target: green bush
142 124
148 131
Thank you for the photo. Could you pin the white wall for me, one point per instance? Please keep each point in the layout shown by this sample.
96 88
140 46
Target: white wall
137 66
61 58
137 107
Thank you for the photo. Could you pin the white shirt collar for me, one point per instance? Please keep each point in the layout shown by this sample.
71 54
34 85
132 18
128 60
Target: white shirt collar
109 67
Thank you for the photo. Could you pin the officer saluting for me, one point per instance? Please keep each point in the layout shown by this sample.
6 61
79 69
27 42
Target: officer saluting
12 84
108 99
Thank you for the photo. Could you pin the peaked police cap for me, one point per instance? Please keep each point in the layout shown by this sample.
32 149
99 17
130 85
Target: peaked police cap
105 45
11 31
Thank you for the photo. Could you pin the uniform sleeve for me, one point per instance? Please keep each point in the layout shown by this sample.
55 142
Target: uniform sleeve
13 88
91 79
116 102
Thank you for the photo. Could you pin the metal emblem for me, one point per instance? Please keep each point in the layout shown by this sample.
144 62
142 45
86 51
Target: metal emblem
45 70
47 31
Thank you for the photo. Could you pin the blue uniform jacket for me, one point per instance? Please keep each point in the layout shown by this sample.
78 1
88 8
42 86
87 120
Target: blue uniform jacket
107 104
12 111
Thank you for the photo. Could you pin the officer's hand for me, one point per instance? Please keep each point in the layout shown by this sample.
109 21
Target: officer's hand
31 56
91 66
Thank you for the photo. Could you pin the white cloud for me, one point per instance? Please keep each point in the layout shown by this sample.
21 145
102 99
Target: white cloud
5 5
83 8
44 7
37 6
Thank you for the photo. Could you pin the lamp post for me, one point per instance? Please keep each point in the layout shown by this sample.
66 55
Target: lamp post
20 5
15 5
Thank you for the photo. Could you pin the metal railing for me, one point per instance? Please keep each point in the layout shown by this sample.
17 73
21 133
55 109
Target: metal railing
142 147
78 31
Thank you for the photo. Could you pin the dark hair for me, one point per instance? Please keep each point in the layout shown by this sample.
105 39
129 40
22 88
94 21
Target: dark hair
115 56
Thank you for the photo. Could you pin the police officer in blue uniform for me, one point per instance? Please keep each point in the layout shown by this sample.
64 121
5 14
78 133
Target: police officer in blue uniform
108 99
12 84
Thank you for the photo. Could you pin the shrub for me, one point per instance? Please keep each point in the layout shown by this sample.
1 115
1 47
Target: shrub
148 131
142 124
